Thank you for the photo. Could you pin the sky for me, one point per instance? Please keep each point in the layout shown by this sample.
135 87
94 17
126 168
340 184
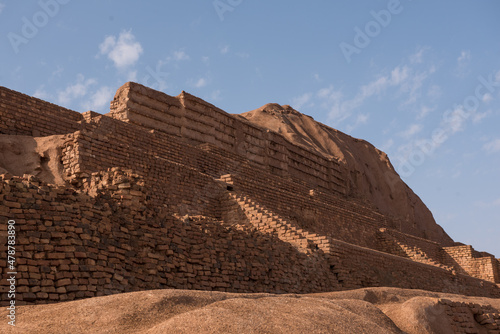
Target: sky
420 80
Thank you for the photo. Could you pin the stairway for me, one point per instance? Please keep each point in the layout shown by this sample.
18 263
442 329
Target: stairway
265 221
417 255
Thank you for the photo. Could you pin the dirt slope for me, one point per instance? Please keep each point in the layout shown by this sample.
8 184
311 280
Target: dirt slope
373 310
39 156
371 174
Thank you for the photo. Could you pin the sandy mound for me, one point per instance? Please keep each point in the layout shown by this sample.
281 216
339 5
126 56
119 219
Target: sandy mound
371 175
374 310
39 156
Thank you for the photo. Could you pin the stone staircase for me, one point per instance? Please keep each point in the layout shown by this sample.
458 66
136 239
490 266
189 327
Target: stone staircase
417 255
265 221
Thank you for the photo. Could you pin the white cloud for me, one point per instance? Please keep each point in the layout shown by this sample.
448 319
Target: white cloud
493 146
316 77
479 116
123 51
417 57
215 95
434 92
202 82
224 49
40 93
399 75
243 55
424 111
454 121
2 6
360 120
487 97
462 62
387 145
299 101
76 90
180 55
491 204
132 76
411 131
100 99
412 86
464 57
177 56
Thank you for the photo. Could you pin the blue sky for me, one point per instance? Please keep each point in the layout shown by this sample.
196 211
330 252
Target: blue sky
418 79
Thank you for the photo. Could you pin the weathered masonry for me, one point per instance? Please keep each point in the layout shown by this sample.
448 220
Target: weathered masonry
172 192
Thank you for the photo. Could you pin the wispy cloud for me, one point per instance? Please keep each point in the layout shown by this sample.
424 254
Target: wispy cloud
462 63
299 101
123 50
487 98
417 57
41 93
224 50
202 82
176 57
400 76
464 57
454 121
99 101
180 55
411 131
492 146
490 204
2 6
479 116
424 111
215 95
434 92
360 120
76 90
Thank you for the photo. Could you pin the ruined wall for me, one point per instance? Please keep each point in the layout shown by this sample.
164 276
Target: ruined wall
312 210
21 114
466 260
71 246
143 208
467 317
165 164
199 122
415 248
360 267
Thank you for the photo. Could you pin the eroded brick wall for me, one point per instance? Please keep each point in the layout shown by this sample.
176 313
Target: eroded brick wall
71 246
199 122
467 260
21 114
358 267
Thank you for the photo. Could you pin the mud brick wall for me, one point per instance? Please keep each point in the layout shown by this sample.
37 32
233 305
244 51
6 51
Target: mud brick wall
471 317
108 143
358 267
402 244
116 242
200 122
466 260
319 213
71 245
21 114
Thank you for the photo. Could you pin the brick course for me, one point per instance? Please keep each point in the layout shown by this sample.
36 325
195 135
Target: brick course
155 200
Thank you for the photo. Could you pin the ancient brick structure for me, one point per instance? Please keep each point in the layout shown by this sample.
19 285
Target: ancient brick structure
174 192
